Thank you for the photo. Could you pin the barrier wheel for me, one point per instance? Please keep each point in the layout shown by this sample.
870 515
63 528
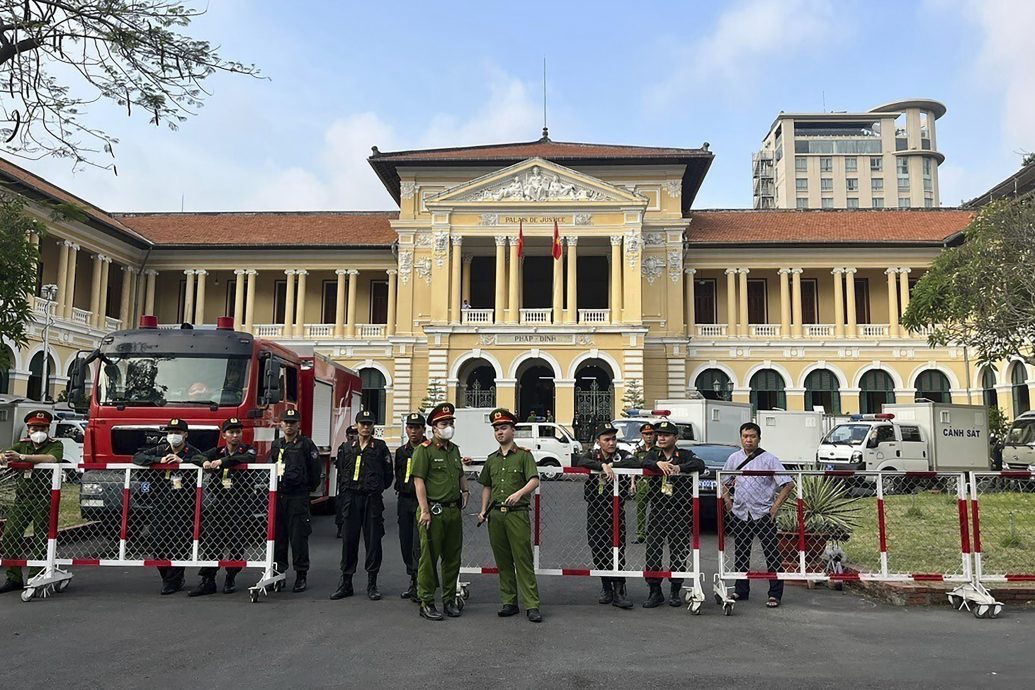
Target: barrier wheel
28 593
62 586
695 608
718 600
996 610
956 601
253 594
465 593
460 603
727 608
687 597
981 611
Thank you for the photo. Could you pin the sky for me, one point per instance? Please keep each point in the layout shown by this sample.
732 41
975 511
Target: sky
340 77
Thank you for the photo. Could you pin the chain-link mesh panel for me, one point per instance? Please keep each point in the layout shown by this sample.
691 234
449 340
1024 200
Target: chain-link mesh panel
750 540
234 510
25 497
97 531
160 524
477 554
1004 525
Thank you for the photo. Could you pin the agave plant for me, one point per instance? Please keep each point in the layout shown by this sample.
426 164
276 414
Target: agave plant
829 509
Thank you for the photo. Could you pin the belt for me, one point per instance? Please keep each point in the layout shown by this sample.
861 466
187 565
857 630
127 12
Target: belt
437 506
508 509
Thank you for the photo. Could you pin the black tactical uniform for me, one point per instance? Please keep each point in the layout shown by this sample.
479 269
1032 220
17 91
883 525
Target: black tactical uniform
298 469
407 507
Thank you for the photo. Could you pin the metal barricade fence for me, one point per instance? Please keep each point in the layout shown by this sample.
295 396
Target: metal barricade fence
841 526
179 516
580 522
29 500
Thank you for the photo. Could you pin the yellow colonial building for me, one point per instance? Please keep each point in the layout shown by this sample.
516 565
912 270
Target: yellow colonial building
465 288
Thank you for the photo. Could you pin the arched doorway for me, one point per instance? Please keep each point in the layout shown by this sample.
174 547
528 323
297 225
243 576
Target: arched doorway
767 390
875 389
989 395
476 384
822 389
933 385
594 398
1019 385
6 364
714 384
374 394
535 390
36 389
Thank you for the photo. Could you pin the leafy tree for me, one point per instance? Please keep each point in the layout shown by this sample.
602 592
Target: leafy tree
981 294
998 423
435 394
19 257
58 56
633 398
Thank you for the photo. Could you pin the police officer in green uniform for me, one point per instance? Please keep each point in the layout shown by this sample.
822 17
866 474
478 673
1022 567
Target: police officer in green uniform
600 508
441 487
31 495
406 506
298 471
643 486
229 512
170 499
364 472
508 478
671 510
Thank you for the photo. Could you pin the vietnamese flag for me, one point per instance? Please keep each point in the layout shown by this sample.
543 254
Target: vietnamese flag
521 238
556 242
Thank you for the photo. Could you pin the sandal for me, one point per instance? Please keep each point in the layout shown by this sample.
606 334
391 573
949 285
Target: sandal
772 603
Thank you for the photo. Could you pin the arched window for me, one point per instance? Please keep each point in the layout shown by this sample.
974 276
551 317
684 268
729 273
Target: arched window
988 391
822 389
933 385
875 389
6 364
1019 381
714 384
36 389
767 390
373 393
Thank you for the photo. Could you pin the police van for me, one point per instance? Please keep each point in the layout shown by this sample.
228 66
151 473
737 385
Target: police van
551 444
1019 448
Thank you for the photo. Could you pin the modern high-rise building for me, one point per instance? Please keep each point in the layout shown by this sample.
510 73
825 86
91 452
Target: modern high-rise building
886 157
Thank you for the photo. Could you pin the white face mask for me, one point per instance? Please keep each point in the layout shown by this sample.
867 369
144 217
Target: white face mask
38 436
174 440
445 433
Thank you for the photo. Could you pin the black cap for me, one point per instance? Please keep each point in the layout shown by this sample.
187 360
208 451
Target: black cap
365 417
502 415
441 411
415 419
291 415
606 428
646 427
175 425
666 427
232 423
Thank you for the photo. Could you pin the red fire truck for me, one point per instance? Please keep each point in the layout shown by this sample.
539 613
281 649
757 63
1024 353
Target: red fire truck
145 376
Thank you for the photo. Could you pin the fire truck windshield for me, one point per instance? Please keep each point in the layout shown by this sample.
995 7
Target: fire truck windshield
159 380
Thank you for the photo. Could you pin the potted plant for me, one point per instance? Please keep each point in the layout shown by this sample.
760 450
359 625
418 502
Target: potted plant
831 514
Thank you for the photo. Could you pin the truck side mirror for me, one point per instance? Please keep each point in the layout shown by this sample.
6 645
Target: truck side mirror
271 383
76 391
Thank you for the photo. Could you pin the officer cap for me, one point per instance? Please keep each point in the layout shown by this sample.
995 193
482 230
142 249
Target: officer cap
415 419
500 416
42 417
646 427
605 429
291 415
365 417
175 425
440 412
232 423
666 427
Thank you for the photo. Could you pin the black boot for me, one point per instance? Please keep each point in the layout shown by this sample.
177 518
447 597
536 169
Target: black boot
655 598
620 599
410 593
451 609
372 593
675 597
344 588
606 591
301 583
206 586
430 612
230 583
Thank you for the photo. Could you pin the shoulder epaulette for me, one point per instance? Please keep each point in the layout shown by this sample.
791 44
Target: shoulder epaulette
426 443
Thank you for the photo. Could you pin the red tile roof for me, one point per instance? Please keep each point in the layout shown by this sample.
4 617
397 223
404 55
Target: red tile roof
846 227
309 229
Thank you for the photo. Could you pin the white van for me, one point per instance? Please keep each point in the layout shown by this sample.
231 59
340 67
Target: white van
1019 448
551 444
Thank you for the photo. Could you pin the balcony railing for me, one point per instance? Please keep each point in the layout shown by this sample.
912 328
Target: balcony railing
268 330
537 317
112 324
370 330
873 330
765 330
818 330
319 330
476 317
711 330
40 306
81 316
594 316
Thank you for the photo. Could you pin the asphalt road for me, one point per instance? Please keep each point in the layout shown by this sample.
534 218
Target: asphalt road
112 630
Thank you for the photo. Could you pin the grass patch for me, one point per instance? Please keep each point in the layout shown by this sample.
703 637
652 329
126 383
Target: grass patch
68 510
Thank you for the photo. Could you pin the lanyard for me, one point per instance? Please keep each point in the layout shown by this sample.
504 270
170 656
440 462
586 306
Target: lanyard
280 463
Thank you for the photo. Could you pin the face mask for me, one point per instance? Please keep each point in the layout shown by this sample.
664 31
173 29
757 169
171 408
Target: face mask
444 434
38 436
174 440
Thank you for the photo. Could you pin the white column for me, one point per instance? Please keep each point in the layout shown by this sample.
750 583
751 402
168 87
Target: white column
903 284
796 302
392 289
350 324
616 278
688 292
289 302
128 278
188 299
558 289
785 303
853 328
892 303
149 292
239 278
73 262
839 303
514 270
199 303
501 279
743 331
95 287
339 304
62 275
249 304
102 302
572 313
731 302
454 277
465 281
300 303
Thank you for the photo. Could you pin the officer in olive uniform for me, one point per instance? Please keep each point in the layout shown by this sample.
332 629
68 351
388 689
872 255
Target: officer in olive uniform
599 510
229 516
508 479
438 477
31 495
298 469
170 500
364 472
671 510
643 486
409 539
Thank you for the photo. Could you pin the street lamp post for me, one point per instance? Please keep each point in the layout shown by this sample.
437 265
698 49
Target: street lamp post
49 293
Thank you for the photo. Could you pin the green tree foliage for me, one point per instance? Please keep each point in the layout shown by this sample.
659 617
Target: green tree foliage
59 56
435 394
981 293
18 260
633 398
